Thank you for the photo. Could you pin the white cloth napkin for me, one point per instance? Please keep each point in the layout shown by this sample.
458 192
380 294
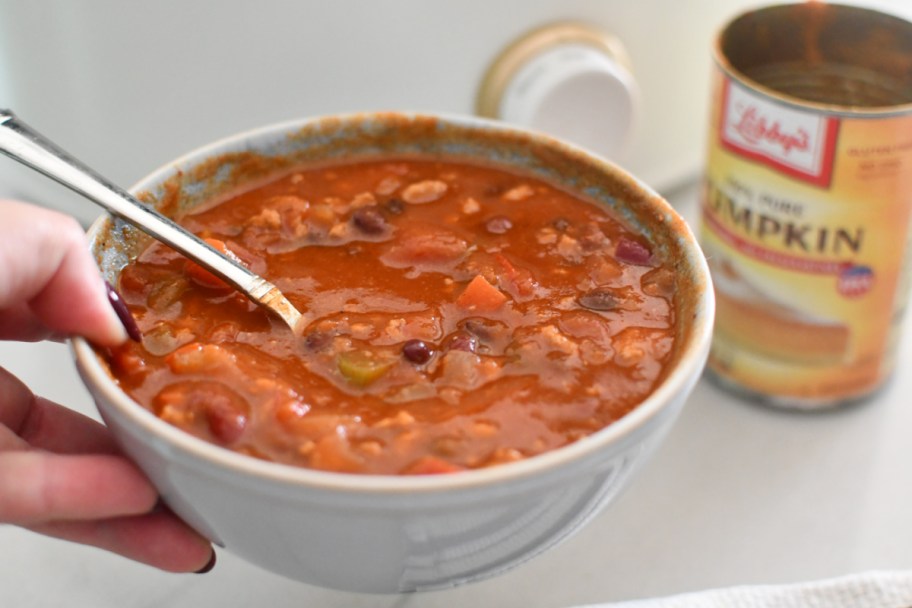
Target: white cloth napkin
876 589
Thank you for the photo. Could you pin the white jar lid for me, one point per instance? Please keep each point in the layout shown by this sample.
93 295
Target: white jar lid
569 81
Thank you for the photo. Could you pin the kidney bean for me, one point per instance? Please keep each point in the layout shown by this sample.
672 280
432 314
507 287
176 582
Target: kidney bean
632 252
226 423
224 411
417 351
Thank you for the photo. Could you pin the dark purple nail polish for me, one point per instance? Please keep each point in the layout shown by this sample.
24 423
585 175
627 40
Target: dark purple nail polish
123 314
209 565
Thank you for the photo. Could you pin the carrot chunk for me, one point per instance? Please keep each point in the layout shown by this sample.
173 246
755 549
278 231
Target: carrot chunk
202 276
481 296
431 465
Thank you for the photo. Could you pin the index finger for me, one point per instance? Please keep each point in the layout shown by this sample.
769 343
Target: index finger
45 263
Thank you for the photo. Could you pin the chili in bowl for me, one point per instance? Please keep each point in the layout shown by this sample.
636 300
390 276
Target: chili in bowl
498 328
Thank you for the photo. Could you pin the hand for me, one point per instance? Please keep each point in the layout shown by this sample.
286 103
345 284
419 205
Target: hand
60 472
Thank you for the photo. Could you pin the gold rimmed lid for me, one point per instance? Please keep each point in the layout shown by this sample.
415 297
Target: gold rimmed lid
533 43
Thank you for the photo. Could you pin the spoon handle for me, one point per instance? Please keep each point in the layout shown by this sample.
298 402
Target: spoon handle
22 143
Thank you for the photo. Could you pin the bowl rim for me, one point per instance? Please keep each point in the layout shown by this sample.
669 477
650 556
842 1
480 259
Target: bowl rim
679 380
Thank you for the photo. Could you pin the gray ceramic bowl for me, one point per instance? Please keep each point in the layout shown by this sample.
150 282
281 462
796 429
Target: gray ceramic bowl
388 533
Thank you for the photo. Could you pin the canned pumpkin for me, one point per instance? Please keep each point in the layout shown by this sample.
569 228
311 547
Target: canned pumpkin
806 202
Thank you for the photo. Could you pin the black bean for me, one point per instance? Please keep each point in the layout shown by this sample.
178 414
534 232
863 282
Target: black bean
477 328
491 336
369 220
463 341
417 351
395 206
561 224
598 299
498 224
317 340
495 189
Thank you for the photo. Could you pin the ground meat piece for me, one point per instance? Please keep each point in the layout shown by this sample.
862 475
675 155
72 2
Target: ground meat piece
431 246
518 193
470 206
387 186
426 191
570 249
499 224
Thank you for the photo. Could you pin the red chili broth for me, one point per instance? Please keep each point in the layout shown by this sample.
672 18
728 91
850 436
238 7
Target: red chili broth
461 316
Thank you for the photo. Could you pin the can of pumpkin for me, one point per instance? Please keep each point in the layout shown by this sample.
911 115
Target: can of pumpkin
806 201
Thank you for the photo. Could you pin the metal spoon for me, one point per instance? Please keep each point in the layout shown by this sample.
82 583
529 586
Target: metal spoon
24 144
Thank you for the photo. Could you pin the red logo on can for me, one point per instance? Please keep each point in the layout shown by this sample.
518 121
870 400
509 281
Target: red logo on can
855 281
796 142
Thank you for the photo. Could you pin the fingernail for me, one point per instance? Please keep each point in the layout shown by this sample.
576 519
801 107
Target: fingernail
209 565
123 313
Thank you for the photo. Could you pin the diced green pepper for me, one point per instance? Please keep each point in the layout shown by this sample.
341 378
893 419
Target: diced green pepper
362 368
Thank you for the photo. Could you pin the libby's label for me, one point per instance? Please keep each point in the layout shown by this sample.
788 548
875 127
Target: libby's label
797 142
805 224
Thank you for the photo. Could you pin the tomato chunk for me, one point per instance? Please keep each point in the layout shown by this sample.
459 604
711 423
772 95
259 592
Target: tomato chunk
425 245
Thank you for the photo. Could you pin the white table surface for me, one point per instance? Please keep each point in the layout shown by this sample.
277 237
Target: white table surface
738 494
